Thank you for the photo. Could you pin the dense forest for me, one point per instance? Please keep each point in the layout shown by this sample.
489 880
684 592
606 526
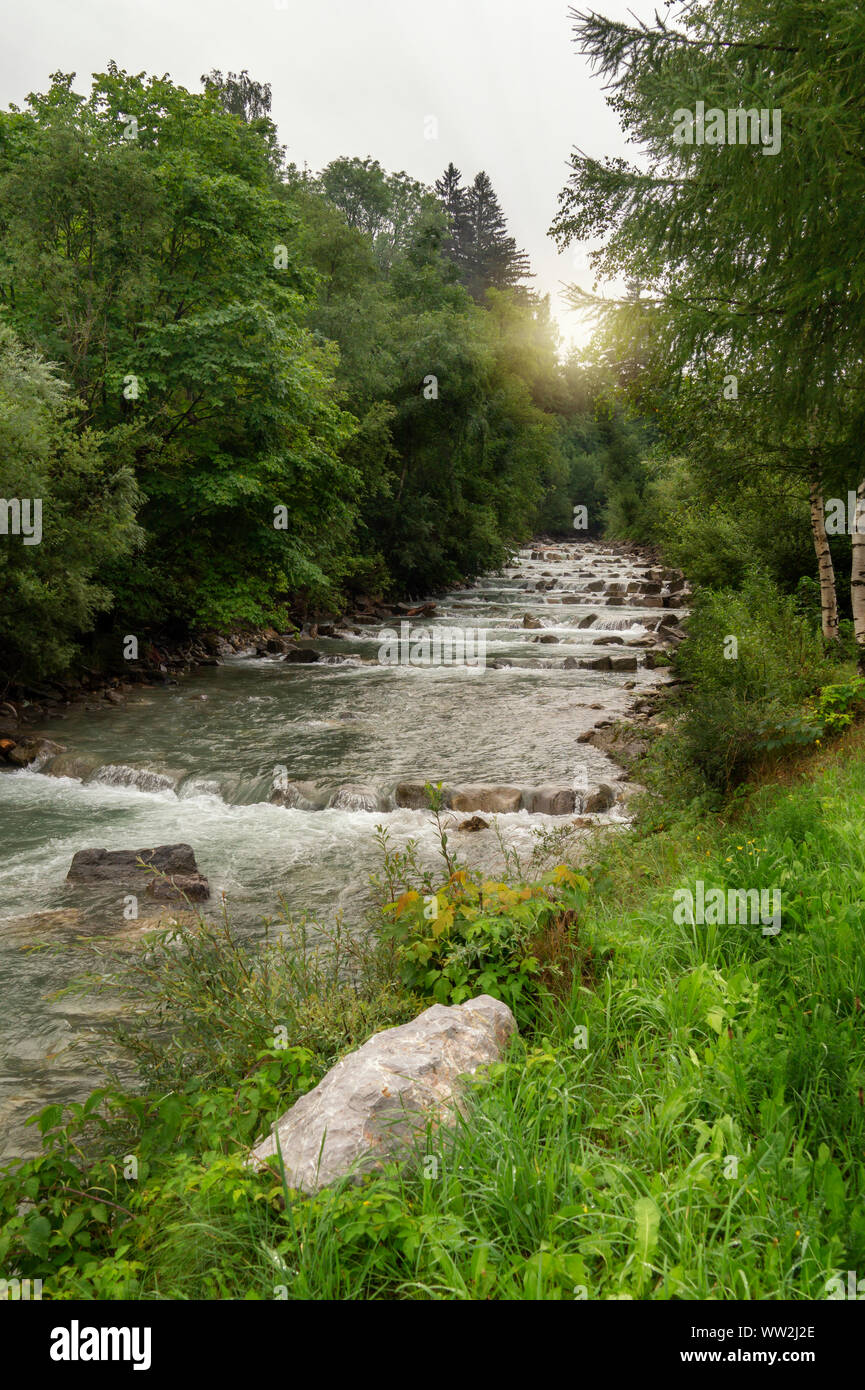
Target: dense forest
241 390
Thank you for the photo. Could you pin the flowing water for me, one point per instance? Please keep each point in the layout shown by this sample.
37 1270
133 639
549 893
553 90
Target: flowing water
197 762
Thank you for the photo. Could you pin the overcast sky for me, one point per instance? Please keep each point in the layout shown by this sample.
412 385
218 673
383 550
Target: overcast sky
503 79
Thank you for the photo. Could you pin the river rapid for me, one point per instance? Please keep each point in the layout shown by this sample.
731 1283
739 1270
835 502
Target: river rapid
198 762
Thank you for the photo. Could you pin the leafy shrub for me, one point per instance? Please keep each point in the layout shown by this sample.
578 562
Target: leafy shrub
742 703
475 936
838 705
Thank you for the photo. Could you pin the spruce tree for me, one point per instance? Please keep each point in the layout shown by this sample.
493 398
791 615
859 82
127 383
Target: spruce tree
486 257
452 194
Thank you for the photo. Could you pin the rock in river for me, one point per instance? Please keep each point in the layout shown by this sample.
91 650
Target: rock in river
176 862
33 750
600 798
481 798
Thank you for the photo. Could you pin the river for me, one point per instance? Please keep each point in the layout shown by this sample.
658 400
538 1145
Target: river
197 762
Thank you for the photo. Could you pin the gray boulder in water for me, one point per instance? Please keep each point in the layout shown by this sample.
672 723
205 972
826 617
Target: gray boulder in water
600 798
372 1104
549 801
498 800
413 795
355 798
175 862
33 750
300 796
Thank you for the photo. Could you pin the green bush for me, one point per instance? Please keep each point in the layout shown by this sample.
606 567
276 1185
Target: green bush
476 936
750 663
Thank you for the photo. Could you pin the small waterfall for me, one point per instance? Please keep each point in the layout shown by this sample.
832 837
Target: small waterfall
615 625
144 778
199 786
354 798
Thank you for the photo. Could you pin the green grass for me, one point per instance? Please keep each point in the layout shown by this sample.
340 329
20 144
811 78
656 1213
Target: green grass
707 1143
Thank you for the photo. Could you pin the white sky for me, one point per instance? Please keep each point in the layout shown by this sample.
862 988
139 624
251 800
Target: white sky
358 77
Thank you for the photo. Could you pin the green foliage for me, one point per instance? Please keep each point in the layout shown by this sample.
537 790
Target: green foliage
477 936
745 701
51 590
207 1001
257 346
145 247
838 705
478 242
457 441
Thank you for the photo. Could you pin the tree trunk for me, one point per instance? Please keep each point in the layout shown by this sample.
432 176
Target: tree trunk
828 599
857 577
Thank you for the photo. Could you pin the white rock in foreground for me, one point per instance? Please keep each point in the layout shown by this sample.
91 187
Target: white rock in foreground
367 1108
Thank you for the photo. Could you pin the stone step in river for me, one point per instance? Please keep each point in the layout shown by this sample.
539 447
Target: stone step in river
489 695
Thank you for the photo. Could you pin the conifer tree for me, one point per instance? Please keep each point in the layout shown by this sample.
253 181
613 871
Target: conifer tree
452 195
486 257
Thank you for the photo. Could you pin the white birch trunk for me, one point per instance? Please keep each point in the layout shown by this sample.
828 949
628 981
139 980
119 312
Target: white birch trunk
857 576
825 568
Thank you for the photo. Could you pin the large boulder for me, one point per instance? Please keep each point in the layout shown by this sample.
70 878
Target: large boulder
122 866
623 663
28 751
549 801
192 888
530 621
372 1104
299 796
72 765
412 796
600 798
499 800
302 655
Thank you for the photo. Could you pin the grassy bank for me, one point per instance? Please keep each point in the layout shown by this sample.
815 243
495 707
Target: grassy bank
683 1118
